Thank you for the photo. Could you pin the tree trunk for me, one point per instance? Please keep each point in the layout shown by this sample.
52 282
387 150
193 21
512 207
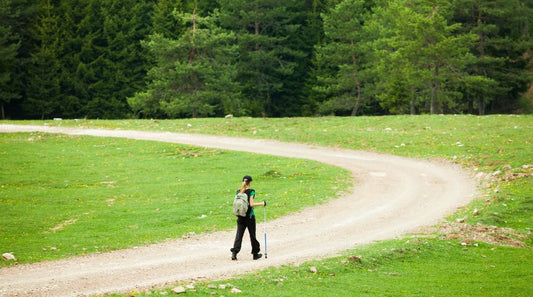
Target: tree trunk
412 104
3 114
435 91
193 49
481 104
481 49
481 37
358 97
357 83
358 101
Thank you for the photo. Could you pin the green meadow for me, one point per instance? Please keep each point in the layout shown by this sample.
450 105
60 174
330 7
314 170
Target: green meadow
497 149
66 195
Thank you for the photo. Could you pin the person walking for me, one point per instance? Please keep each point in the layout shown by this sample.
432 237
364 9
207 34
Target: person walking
247 222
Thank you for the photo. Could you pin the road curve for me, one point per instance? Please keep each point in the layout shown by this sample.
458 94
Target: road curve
392 196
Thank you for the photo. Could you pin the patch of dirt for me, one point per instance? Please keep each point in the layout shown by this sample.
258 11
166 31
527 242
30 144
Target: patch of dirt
514 175
63 225
483 233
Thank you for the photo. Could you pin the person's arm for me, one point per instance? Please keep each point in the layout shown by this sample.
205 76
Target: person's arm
252 203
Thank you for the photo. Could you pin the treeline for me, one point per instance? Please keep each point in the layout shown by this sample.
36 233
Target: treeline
197 58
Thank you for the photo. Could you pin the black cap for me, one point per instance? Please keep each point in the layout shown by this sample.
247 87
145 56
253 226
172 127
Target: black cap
247 177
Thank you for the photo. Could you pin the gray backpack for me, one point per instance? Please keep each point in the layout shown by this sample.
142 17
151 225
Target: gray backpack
240 204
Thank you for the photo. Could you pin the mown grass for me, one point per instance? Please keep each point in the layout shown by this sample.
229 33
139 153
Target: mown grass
494 147
66 195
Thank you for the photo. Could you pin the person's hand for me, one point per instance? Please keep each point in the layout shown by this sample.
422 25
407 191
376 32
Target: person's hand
264 203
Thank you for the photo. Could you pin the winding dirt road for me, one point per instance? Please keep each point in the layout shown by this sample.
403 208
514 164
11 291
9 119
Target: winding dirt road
391 196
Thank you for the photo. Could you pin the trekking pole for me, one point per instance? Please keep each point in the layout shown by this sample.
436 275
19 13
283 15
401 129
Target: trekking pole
264 230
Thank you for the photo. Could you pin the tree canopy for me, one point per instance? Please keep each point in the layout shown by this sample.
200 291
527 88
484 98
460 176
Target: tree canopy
201 58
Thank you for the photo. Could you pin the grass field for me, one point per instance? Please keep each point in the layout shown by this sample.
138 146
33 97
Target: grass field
496 148
68 195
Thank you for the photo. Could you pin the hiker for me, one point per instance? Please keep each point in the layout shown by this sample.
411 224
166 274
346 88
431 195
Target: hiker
247 221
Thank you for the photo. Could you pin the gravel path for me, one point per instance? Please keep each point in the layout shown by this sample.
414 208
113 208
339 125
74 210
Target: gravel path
391 196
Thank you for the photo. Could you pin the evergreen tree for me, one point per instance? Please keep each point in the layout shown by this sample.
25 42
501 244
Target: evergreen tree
112 63
200 7
296 97
164 22
267 61
194 74
341 58
74 93
499 73
420 52
43 88
9 45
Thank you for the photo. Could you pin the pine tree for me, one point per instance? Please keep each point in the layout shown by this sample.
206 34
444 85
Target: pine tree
499 72
112 64
74 93
266 60
420 51
164 22
296 97
194 74
9 45
341 58
43 88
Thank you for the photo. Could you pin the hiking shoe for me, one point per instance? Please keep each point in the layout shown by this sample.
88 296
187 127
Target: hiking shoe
257 256
233 256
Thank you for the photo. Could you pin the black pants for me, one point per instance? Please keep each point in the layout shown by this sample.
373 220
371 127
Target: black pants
242 224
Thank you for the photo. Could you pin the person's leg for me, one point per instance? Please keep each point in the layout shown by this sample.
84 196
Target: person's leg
251 229
241 227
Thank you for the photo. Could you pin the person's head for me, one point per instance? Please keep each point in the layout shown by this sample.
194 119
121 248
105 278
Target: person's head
246 181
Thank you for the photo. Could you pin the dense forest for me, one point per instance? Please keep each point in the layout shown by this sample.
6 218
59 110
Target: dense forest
199 58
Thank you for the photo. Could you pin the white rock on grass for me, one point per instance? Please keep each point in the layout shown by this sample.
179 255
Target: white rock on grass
178 290
236 290
9 257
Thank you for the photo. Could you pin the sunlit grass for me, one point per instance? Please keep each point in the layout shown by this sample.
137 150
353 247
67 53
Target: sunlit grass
493 147
68 195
